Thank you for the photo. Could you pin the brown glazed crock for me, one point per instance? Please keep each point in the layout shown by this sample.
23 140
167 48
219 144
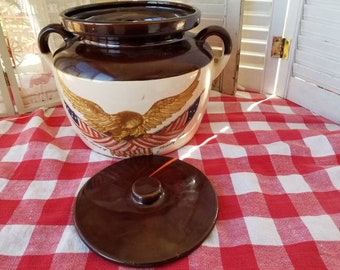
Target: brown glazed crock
132 78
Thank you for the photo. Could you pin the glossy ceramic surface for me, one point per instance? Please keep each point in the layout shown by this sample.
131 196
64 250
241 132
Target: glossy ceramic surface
131 19
145 211
133 79
134 118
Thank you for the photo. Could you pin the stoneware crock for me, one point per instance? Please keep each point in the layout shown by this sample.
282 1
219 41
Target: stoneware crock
132 78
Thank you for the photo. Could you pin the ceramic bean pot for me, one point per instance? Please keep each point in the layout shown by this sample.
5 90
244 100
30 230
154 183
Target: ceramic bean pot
131 76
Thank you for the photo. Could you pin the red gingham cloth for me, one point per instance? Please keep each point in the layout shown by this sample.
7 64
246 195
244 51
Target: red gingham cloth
274 166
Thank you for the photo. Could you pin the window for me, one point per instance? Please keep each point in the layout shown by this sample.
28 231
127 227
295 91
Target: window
26 79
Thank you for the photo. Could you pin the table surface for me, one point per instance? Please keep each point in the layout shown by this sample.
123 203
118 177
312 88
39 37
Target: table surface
274 166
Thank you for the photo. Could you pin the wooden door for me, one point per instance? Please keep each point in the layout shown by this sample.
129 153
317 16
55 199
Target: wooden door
256 24
314 73
310 76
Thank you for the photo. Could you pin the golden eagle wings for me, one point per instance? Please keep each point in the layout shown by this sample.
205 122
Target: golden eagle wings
128 124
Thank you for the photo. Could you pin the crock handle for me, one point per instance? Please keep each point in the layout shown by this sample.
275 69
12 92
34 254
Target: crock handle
45 33
222 33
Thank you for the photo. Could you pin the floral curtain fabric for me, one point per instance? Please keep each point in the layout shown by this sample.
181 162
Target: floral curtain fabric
21 22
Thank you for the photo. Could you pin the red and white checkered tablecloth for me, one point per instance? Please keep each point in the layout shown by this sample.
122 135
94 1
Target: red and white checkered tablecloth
274 166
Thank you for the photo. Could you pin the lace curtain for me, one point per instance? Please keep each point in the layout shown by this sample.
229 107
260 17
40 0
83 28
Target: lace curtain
26 82
30 83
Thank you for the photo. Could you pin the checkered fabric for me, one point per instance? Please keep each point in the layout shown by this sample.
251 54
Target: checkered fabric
274 166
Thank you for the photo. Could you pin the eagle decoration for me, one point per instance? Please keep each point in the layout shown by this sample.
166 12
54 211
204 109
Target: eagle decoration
129 125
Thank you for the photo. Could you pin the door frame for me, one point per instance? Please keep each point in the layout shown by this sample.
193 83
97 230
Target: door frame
226 82
285 22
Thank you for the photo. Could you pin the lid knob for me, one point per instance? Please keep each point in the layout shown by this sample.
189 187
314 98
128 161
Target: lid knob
146 190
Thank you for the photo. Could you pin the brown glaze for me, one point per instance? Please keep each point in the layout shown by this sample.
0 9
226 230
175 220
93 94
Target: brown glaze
137 62
147 190
134 214
110 42
131 19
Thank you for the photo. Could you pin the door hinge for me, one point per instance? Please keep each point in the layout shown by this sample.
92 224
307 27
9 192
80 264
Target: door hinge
280 47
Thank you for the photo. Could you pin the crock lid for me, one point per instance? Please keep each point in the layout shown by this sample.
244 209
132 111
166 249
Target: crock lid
130 18
146 210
